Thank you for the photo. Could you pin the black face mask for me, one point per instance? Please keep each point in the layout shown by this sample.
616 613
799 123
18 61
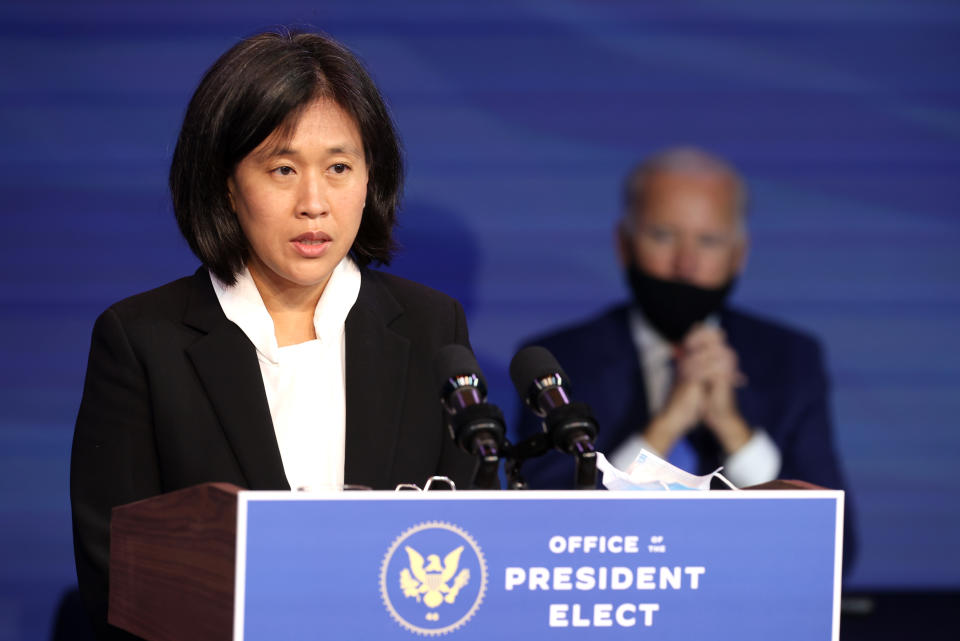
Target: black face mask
672 307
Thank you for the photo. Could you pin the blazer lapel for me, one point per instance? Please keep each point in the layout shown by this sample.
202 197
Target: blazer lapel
226 363
375 378
619 382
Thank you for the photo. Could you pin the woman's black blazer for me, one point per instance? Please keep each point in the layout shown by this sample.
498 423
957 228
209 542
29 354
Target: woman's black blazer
174 397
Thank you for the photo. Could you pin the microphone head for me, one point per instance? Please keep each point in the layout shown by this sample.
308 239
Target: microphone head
531 363
456 366
545 388
534 368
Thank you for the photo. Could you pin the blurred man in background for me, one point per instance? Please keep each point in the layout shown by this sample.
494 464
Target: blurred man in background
676 370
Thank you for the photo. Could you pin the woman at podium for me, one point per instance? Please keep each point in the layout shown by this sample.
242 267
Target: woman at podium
285 361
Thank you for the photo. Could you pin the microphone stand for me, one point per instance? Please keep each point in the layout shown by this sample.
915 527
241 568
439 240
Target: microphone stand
572 429
581 447
585 463
515 455
486 474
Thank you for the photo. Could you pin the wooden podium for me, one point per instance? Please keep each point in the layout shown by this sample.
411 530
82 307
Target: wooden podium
218 563
173 562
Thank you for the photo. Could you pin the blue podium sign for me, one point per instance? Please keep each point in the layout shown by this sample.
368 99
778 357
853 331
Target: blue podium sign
743 565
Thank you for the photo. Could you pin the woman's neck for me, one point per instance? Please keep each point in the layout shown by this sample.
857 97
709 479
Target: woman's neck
291 306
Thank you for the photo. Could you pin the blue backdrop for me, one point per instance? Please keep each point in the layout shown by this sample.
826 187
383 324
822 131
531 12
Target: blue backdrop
519 120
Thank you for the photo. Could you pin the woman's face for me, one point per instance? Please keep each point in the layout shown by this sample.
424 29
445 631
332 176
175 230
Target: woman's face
300 203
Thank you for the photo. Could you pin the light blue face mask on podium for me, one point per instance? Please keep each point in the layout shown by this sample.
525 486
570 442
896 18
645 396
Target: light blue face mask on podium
649 472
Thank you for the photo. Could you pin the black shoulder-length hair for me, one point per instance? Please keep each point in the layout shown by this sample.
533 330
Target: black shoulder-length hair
261 84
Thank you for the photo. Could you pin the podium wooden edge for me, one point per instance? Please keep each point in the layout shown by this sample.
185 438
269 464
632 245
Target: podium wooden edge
785 484
172 564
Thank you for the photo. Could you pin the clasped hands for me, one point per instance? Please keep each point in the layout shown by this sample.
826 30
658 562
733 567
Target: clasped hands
703 391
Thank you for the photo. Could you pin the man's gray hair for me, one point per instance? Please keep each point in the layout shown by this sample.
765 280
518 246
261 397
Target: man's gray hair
682 160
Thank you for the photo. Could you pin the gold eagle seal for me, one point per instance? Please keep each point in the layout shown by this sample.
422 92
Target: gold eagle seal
437 583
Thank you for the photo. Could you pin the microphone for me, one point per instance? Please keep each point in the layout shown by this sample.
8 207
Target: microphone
476 426
570 426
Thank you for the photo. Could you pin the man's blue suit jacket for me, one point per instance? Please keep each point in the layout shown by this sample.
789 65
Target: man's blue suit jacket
786 394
